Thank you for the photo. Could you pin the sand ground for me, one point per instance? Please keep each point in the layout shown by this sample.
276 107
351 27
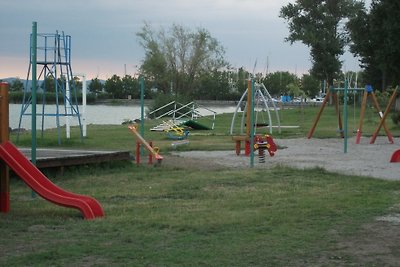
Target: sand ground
362 159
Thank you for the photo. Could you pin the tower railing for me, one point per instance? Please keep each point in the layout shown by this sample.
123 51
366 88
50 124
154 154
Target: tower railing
53 57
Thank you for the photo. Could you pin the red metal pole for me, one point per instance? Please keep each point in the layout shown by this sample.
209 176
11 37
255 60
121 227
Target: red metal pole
4 136
151 154
246 148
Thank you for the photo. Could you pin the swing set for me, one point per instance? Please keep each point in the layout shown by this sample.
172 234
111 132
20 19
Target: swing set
368 92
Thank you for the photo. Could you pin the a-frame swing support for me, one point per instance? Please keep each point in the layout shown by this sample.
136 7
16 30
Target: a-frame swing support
369 92
331 92
385 114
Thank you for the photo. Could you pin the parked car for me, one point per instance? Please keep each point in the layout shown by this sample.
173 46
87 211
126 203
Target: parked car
317 100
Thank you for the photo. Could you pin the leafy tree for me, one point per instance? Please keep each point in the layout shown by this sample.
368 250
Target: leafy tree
318 25
277 82
375 38
114 87
213 85
96 86
310 85
130 86
77 83
16 85
48 85
179 56
239 80
294 90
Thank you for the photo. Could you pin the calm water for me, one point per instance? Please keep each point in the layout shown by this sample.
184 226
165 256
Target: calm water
95 114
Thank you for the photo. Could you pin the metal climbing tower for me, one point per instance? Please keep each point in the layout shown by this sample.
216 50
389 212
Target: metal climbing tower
51 55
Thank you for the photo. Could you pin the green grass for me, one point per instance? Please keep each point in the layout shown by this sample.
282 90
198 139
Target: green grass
181 217
170 217
119 137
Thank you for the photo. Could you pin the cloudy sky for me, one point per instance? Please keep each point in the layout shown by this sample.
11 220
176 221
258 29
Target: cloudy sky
104 38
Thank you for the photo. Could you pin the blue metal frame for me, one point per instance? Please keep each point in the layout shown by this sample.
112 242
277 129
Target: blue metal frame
53 53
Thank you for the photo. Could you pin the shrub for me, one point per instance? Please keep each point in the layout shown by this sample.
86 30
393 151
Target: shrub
396 118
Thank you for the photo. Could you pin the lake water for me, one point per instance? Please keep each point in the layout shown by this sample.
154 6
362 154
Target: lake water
95 114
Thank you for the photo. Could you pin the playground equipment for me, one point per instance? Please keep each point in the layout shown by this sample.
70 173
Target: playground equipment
154 152
262 99
175 131
182 113
396 156
32 176
262 144
370 92
385 114
343 131
257 98
253 141
53 53
331 92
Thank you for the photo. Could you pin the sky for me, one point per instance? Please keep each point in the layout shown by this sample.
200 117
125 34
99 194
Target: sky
104 41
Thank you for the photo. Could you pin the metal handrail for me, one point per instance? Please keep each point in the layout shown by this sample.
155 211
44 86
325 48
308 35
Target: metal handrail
176 114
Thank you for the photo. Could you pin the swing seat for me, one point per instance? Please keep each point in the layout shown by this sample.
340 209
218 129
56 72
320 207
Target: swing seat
396 156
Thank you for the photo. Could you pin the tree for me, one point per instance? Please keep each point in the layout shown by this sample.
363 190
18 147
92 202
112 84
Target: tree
114 87
176 58
318 25
96 86
213 85
17 85
49 84
77 83
240 80
277 82
130 86
375 38
310 85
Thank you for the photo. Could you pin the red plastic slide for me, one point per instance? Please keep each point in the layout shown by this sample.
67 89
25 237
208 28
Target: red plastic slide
36 180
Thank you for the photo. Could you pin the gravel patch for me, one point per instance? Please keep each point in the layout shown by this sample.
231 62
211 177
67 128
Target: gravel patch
362 159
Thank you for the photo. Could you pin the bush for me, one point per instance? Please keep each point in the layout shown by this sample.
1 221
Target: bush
396 118
15 97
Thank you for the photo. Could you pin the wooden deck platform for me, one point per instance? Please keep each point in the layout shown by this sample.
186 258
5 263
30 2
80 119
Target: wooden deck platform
49 158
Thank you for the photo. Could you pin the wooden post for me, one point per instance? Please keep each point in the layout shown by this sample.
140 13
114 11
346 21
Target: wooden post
311 132
370 92
379 110
382 121
4 136
238 147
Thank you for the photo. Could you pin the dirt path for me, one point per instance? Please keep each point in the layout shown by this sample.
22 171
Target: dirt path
363 159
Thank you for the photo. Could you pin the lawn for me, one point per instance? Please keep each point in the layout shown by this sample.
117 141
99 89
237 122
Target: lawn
169 216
